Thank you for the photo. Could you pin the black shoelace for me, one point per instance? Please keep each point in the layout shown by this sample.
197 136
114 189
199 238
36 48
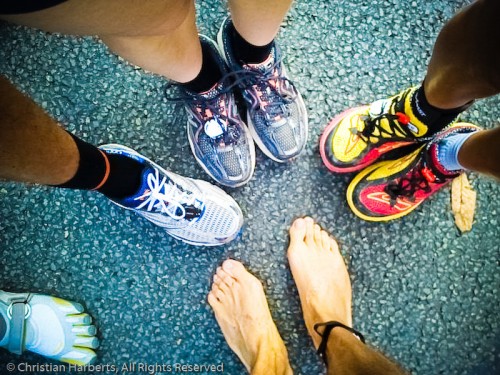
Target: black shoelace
231 133
270 92
406 187
396 122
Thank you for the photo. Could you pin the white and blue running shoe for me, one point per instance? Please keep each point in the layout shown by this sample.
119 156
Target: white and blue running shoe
192 211
276 113
219 139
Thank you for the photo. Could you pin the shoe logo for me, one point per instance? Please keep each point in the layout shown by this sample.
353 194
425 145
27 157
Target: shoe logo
391 146
400 163
215 127
146 194
412 128
351 142
385 198
387 147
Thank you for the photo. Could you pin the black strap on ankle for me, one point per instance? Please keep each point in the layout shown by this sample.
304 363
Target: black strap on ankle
326 333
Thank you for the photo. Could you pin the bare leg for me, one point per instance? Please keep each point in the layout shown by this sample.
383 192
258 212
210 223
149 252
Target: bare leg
325 294
33 147
465 60
241 310
158 35
481 153
175 55
464 67
258 21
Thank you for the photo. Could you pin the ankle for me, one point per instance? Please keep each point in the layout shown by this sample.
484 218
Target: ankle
340 313
448 150
340 337
246 52
271 357
210 72
436 118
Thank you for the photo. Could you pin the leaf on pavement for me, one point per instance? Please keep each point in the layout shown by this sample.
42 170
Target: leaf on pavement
463 202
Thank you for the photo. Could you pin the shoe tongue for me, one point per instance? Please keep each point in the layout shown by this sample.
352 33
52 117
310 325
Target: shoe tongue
264 66
142 193
213 92
435 164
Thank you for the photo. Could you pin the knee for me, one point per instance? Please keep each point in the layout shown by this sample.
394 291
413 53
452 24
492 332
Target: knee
171 16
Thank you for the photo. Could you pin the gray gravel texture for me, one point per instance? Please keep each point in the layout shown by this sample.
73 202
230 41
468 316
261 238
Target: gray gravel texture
424 294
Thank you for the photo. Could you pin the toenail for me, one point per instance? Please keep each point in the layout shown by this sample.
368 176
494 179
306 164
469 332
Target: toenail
300 223
229 264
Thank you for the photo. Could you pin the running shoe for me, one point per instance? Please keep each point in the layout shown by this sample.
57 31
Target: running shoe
391 189
219 139
359 136
276 113
192 211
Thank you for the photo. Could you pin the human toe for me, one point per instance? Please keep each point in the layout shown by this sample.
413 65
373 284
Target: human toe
325 240
317 235
298 230
234 268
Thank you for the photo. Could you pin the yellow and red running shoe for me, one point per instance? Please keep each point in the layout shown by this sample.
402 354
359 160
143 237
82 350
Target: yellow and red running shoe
357 137
391 189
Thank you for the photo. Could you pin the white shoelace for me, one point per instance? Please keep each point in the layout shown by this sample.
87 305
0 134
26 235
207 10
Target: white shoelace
169 201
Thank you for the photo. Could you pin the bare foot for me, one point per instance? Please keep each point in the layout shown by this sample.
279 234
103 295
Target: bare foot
241 310
320 274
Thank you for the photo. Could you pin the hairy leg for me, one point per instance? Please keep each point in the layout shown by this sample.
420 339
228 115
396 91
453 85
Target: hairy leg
33 147
349 356
325 295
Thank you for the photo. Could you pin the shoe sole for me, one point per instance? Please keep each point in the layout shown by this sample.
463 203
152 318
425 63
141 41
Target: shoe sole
248 138
251 127
114 146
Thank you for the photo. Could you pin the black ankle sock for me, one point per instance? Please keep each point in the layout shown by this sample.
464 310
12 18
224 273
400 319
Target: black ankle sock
91 167
123 174
125 177
246 52
209 75
435 118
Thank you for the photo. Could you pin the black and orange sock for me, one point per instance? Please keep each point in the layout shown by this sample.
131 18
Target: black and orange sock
115 176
